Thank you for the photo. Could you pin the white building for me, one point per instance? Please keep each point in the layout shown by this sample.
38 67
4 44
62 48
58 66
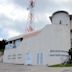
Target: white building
46 46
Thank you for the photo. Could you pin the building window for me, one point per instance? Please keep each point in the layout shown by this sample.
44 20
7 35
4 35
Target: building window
14 43
17 43
19 56
9 46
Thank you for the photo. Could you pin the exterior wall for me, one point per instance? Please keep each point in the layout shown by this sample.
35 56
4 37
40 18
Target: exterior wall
53 41
13 56
52 37
70 24
71 38
71 32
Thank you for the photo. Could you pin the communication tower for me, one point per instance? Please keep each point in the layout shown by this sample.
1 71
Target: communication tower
30 15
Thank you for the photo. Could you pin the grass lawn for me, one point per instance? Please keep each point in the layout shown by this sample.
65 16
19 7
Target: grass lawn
61 65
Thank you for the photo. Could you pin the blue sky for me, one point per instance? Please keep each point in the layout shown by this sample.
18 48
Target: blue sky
14 15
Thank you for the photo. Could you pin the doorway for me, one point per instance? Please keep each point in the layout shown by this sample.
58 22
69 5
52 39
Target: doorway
40 58
28 58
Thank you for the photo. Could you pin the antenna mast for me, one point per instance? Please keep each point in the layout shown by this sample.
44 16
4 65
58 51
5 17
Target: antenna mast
30 16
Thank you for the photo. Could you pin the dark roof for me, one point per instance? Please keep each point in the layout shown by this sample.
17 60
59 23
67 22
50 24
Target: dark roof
60 12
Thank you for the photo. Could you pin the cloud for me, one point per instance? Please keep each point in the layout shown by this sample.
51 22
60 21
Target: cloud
11 17
6 23
3 34
13 12
12 33
42 17
62 1
8 33
22 3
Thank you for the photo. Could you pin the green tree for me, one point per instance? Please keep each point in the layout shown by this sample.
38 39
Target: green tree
70 55
2 45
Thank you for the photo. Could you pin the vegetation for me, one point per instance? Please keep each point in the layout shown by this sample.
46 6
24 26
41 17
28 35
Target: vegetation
2 45
70 56
61 65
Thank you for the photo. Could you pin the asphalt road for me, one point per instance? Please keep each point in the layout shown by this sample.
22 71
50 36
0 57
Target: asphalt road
24 68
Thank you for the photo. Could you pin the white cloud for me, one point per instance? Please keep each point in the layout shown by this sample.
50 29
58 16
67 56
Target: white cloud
1 39
16 14
62 1
42 17
13 12
8 33
47 15
12 33
3 34
4 1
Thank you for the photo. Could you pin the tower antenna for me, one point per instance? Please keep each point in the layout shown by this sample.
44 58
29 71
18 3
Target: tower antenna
31 15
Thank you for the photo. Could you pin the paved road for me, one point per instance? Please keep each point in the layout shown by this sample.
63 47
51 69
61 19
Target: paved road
23 68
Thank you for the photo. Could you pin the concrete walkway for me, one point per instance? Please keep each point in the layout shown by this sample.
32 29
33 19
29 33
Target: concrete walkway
23 68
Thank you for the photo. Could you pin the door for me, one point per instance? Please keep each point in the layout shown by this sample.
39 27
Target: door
28 58
40 58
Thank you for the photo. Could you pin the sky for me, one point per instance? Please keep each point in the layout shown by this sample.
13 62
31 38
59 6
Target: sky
14 15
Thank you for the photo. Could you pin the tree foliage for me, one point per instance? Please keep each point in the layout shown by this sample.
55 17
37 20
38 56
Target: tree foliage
70 55
2 45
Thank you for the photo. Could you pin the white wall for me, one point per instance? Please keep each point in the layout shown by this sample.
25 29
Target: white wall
70 24
51 38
